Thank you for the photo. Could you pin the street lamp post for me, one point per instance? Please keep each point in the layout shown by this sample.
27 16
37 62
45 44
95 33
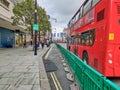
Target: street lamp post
35 22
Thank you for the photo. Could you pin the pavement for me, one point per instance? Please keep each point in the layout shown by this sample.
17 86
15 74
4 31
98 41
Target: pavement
21 70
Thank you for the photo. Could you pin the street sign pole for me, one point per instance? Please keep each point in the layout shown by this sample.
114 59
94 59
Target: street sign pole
35 29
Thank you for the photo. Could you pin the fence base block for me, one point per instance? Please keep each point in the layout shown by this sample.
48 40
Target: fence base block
74 86
64 64
66 69
70 77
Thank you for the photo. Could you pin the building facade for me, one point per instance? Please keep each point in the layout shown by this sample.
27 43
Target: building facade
10 36
16 1
59 35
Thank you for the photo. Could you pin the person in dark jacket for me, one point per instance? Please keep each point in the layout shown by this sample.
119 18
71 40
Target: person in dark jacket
42 44
24 44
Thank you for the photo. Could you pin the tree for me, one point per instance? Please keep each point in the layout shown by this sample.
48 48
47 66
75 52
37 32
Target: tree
24 15
44 24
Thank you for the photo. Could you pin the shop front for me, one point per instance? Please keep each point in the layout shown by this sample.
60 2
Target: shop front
7 39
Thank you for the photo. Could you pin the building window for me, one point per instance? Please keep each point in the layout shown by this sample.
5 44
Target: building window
61 34
54 34
57 34
4 2
64 34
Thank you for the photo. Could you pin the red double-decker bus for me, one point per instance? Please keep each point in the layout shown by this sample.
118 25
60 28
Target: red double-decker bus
95 35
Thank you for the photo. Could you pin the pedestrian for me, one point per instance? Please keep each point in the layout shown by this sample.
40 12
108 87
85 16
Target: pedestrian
31 42
42 44
24 44
48 43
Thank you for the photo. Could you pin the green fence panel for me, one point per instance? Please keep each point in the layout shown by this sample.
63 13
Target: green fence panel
87 77
108 85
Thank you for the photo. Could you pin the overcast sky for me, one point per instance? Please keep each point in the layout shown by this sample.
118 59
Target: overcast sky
62 10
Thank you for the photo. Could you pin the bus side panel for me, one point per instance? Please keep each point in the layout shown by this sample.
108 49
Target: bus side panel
80 51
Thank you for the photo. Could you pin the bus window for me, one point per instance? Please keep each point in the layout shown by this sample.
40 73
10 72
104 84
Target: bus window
76 41
87 7
74 20
70 24
77 16
79 40
95 2
85 38
72 40
92 37
80 14
88 37
100 15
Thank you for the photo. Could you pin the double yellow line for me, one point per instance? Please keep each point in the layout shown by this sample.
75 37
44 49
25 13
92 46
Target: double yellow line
56 82
52 74
46 56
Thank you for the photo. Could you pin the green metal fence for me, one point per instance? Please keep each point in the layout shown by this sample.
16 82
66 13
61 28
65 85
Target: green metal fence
87 77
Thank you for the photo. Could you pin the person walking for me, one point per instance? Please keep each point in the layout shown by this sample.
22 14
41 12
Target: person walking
42 44
48 43
31 43
24 44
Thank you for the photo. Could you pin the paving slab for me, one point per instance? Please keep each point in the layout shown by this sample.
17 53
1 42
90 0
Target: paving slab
20 69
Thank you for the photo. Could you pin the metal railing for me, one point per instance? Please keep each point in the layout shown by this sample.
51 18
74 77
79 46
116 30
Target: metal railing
87 77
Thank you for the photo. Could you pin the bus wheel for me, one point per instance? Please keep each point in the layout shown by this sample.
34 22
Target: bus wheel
85 57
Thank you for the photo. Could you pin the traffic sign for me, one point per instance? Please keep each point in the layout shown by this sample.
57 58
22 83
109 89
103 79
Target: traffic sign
35 27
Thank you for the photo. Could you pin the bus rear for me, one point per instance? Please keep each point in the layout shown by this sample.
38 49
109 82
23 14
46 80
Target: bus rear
103 54
112 62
